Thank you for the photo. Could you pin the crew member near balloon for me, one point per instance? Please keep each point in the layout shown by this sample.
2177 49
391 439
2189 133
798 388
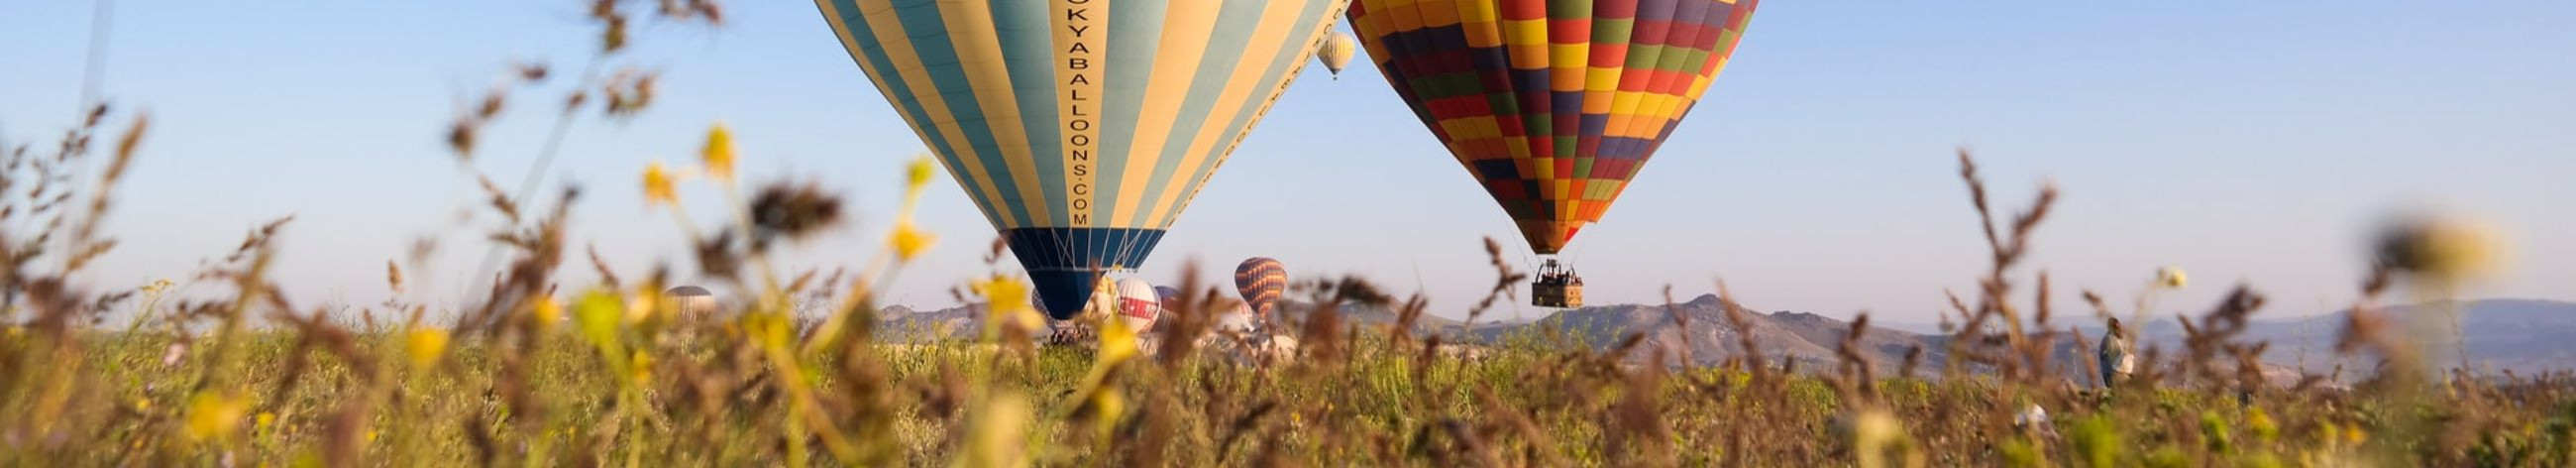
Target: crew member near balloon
1552 105
2118 357
1081 129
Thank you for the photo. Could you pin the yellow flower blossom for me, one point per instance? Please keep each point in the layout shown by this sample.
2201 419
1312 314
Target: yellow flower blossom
909 241
659 186
1099 391
1007 304
645 305
2262 425
214 416
425 345
718 153
998 431
1117 344
917 173
643 367
768 328
548 313
598 315
264 420
2172 278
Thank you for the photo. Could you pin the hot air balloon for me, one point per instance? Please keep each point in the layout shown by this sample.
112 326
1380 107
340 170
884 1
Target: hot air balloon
1138 305
692 301
1552 105
1081 128
1261 280
1170 296
1336 52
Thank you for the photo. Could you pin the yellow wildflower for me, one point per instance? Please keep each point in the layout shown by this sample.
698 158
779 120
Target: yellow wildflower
995 436
917 173
1117 344
644 306
215 416
142 404
1872 432
264 420
2172 278
1007 304
1099 393
658 186
598 315
548 313
768 328
910 241
425 345
2261 423
643 367
718 153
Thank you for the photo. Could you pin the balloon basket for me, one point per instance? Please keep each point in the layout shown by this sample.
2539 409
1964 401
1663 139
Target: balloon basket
1557 286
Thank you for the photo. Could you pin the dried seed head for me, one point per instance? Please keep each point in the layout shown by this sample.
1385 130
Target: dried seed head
2439 249
792 212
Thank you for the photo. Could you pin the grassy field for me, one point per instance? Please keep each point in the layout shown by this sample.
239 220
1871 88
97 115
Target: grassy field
535 372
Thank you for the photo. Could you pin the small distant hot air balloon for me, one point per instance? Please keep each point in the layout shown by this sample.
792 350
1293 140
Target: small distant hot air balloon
1138 304
692 301
1553 105
1336 52
1081 128
1261 281
1170 296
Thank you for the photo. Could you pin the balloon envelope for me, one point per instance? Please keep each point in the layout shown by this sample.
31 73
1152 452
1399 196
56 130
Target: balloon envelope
1336 52
1080 128
1552 105
1261 280
1170 296
1138 305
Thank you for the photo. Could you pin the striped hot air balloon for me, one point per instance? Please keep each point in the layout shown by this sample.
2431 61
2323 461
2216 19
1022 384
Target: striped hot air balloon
1552 105
1081 127
1261 281
1336 52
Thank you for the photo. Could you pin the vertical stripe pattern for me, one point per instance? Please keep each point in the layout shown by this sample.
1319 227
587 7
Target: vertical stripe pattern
1081 127
1552 105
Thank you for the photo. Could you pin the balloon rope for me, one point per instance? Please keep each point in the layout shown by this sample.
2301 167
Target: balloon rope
96 71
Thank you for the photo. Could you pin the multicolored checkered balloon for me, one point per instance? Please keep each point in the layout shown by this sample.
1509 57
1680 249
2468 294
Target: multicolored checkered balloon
1552 104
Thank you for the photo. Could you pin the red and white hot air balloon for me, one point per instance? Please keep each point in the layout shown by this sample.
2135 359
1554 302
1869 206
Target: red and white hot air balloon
1138 304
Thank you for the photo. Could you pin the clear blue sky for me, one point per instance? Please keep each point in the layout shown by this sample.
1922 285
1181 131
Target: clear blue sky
2247 142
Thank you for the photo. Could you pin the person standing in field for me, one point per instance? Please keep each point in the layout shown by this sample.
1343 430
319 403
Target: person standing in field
2118 357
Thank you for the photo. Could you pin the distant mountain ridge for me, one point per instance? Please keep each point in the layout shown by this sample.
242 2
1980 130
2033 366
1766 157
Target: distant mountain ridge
2516 334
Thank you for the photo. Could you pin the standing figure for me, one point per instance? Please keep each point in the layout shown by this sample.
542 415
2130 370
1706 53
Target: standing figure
2118 357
